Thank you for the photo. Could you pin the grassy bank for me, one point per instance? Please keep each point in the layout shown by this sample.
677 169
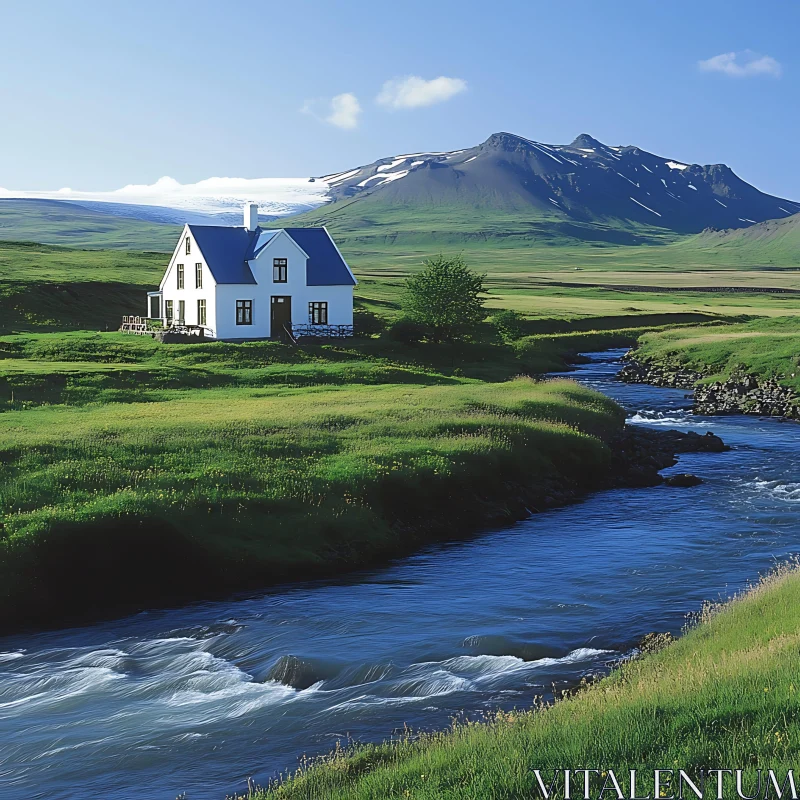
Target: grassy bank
726 696
109 504
765 348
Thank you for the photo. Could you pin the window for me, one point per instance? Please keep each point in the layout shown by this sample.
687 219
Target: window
155 307
318 313
198 276
244 312
180 276
188 245
279 270
181 312
201 312
168 311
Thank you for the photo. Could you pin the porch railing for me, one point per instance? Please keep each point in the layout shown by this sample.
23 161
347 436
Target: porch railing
139 325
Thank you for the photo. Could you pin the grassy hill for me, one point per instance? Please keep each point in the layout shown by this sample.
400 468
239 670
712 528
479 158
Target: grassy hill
55 288
775 242
60 223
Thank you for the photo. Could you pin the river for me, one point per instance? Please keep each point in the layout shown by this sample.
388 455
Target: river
179 701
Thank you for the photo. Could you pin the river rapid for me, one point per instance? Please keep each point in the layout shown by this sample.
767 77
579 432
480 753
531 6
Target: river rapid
185 701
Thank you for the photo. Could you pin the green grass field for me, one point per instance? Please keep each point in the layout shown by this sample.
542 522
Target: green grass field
80 367
724 696
57 288
115 448
110 504
60 288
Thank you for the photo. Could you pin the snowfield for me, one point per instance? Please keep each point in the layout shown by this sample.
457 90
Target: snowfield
278 196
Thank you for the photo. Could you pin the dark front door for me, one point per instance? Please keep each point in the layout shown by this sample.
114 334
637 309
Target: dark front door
280 316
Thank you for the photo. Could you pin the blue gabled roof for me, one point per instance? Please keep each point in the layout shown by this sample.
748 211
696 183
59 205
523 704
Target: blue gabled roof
226 251
325 266
262 239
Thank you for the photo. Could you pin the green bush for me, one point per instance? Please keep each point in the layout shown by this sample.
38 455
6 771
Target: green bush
367 323
509 324
407 331
446 298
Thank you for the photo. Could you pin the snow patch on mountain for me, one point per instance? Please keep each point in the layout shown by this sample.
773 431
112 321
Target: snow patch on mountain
645 207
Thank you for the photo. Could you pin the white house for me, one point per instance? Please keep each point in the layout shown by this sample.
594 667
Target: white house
249 283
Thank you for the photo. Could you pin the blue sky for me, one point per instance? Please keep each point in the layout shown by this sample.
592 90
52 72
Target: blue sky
99 95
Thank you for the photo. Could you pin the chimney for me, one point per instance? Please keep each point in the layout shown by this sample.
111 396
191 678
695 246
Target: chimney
250 216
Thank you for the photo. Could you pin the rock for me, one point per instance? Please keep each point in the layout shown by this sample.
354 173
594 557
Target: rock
740 394
300 673
683 480
656 375
639 454
653 642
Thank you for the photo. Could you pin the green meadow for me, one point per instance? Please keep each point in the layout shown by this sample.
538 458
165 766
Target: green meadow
212 489
57 222
200 463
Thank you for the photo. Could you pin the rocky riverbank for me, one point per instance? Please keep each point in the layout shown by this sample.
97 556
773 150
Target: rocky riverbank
744 394
739 394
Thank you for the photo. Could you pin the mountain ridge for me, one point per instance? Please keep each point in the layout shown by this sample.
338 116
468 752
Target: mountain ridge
585 181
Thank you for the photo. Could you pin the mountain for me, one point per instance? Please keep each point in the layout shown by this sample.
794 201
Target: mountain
508 193
583 182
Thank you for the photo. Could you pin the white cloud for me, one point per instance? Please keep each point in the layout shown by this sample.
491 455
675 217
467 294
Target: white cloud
343 111
415 92
745 64
210 196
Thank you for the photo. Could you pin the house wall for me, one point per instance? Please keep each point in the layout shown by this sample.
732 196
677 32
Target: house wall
338 298
190 294
227 295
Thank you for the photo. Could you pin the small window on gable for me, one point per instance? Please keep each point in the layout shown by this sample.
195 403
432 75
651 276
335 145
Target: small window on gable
198 276
280 270
188 245
318 313
180 276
